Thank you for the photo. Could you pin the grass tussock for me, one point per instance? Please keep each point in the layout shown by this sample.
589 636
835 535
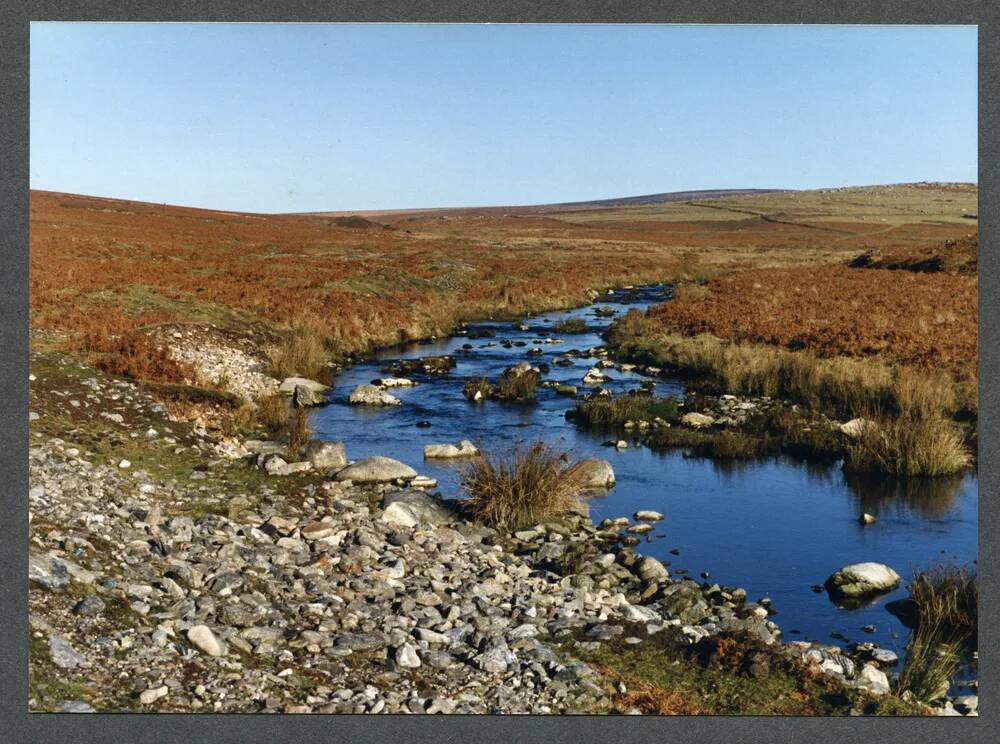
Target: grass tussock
908 446
517 385
298 433
301 352
570 325
733 445
523 487
478 388
605 412
945 600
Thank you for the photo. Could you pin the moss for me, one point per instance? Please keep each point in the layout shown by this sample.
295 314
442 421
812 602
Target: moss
662 677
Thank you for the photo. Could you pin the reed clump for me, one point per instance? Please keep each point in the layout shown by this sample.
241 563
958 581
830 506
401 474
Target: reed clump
610 411
522 487
908 445
945 604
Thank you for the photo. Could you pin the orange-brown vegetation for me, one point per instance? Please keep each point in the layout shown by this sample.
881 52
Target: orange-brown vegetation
925 320
103 272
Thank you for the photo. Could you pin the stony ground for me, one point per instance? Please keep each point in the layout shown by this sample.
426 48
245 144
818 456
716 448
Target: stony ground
168 573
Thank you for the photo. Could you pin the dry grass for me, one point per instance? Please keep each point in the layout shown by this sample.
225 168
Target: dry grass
298 433
946 601
908 446
301 352
517 385
520 488
604 412
571 325
842 386
134 354
477 386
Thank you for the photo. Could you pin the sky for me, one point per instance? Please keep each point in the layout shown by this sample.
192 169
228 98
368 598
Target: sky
313 117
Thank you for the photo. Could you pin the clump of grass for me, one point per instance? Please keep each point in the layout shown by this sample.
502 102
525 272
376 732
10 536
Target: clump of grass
732 445
301 352
523 487
517 385
798 436
570 325
477 386
604 411
298 432
671 437
908 446
945 601
950 594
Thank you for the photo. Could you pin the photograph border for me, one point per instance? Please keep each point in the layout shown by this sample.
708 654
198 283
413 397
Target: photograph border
18 725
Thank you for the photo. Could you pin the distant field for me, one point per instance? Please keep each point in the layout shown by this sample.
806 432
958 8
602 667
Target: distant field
104 268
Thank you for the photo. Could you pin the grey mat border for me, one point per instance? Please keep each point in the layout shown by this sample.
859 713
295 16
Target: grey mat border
19 726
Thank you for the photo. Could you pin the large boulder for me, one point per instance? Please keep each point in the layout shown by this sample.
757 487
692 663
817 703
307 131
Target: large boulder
861 580
51 572
465 448
409 508
326 455
596 473
289 384
369 395
376 469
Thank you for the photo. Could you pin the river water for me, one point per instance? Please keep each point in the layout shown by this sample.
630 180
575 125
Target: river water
775 527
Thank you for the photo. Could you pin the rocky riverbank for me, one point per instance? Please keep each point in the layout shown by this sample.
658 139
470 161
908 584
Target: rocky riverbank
170 572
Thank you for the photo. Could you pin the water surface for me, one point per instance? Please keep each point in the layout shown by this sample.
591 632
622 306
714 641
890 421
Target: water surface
775 527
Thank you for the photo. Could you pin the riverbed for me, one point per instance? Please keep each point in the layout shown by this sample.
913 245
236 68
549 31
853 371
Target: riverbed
776 527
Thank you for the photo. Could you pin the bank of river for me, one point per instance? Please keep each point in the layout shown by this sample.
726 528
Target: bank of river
776 527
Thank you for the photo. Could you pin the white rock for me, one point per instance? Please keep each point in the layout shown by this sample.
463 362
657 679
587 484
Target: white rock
465 448
647 515
289 384
863 579
596 473
697 420
855 427
203 637
874 679
150 696
406 656
369 395
376 469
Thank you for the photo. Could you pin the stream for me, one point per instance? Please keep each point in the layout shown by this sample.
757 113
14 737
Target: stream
775 527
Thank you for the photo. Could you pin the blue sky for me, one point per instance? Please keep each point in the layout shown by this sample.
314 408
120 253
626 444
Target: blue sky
295 117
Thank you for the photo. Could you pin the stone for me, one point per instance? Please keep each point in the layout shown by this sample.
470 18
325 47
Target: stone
376 469
205 640
862 580
465 448
652 571
393 382
874 680
49 572
369 395
867 519
596 473
409 508
75 706
647 515
854 428
316 530
406 656
288 385
697 420
64 655
594 376
305 397
89 606
326 455
150 696
966 704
